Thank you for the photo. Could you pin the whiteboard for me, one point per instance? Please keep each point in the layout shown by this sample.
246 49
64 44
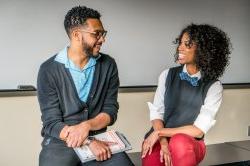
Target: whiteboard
140 35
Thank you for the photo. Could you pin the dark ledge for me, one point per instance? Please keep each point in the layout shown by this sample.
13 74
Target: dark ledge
122 89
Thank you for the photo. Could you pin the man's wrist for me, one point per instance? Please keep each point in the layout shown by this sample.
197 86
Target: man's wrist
89 140
87 124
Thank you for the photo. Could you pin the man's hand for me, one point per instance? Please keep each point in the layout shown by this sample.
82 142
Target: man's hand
100 149
64 133
165 155
148 143
77 134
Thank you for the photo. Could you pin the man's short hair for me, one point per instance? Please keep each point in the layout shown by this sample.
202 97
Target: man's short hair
77 16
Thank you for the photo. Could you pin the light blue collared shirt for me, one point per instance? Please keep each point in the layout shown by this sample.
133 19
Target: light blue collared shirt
82 78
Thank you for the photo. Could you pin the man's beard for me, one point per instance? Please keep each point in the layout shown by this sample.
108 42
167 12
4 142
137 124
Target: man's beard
88 50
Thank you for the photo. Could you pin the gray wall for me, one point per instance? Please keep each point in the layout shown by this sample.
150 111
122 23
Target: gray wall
140 35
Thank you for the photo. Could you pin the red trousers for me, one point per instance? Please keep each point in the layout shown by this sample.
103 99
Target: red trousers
184 149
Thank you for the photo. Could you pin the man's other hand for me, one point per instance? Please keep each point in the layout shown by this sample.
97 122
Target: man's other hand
100 149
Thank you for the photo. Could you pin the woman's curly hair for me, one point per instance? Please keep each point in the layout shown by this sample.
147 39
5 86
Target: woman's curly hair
212 51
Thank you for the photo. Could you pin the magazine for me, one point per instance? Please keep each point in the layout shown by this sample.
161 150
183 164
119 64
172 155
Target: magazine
121 144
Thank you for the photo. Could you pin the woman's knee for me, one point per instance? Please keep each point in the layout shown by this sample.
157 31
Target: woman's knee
181 143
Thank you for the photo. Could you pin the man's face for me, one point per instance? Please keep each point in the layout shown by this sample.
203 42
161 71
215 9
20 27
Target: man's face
92 37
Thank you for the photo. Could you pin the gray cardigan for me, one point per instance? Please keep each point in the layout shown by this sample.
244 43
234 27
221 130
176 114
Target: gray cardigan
59 101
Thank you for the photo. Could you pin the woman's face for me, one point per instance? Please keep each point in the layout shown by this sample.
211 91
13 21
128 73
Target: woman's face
186 50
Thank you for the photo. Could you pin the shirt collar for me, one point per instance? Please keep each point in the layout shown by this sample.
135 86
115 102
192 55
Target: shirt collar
62 57
198 74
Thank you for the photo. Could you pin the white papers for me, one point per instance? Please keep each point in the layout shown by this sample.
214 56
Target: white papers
85 154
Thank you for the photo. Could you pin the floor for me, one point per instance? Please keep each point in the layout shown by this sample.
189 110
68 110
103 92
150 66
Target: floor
225 154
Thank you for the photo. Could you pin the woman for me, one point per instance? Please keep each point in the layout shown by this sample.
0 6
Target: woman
187 98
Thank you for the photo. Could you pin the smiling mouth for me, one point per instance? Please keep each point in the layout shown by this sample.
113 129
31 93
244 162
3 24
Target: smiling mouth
181 56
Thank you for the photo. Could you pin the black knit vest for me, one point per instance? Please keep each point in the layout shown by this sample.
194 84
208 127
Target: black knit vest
182 101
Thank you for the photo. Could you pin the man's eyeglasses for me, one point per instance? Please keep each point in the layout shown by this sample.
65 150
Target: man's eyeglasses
97 34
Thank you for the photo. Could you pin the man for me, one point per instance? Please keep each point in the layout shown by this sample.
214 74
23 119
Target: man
77 92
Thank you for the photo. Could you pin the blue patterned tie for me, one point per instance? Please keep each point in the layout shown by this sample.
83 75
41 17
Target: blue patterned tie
192 80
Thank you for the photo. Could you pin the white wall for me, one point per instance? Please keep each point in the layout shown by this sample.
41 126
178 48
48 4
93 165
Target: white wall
20 123
33 31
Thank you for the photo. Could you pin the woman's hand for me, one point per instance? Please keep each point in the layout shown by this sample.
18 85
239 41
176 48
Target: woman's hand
148 143
165 155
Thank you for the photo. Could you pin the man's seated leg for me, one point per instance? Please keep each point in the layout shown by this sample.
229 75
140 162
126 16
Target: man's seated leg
57 154
118 159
